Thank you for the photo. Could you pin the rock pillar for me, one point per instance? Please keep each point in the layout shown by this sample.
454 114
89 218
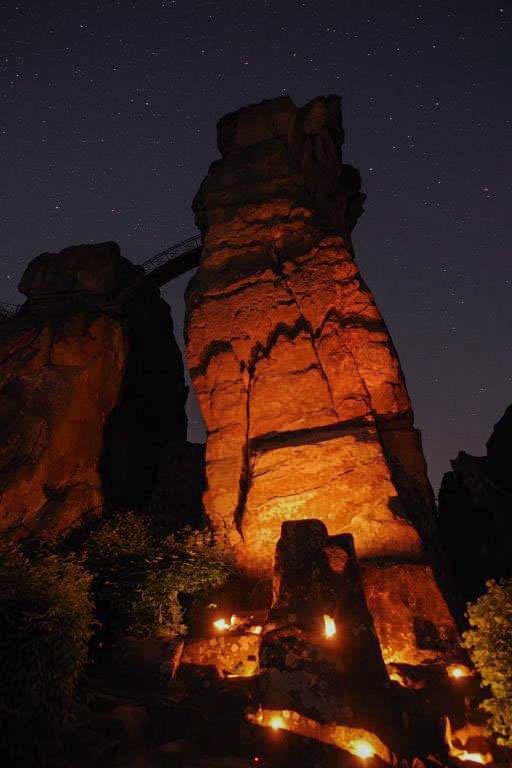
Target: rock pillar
322 672
297 378
90 396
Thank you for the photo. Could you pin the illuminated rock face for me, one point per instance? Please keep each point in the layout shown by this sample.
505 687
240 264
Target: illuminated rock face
233 655
86 397
296 375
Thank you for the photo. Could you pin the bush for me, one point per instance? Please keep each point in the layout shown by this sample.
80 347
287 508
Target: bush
489 642
142 576
46 622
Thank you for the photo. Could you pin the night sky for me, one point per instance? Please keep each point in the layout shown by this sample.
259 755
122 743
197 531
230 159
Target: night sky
107 127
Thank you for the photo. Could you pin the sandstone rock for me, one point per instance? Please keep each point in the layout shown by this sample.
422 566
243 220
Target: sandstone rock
60 380
98 270
89 399
474 510
304 401
409 612
339 681
233 655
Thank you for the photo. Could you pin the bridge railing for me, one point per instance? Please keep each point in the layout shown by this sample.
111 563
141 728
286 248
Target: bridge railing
172 252
8 310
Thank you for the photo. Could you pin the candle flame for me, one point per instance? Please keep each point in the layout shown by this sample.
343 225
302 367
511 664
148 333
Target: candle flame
362 749
330 626
276 723
457 671
222 624
474 757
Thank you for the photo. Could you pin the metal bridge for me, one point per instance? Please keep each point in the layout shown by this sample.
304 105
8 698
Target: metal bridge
160 269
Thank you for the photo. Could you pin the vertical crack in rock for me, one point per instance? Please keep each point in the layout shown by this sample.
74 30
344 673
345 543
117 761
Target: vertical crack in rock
245 475
307 325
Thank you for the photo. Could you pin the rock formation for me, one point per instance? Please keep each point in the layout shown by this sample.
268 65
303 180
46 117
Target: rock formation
90 396
304 401
320 658
475 501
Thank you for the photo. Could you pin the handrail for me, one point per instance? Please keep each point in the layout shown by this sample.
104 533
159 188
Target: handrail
8 310
172 252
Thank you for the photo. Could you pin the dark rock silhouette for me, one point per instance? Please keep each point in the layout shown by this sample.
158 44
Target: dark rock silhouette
475 512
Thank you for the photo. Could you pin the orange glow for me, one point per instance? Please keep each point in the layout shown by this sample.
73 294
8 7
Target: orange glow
330 626
222 624
255 630
461 754
276 723
362 749
457 671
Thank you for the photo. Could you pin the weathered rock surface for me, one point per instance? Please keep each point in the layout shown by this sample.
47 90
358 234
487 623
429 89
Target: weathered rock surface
83 270
338 680
233 655
475 505
89 398
304 401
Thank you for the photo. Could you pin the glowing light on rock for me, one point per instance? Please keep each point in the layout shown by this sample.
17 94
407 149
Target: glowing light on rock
462 754
362 749
222 624
457 671
474 757
255 630
330 626
276 723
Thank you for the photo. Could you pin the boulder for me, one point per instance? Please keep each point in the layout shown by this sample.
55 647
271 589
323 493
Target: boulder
90 398
97 269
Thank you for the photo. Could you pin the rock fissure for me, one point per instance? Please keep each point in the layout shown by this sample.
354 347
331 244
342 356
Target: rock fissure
307 327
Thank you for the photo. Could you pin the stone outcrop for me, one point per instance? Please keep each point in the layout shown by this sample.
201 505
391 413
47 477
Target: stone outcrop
305 404
89 396
337 680
475 502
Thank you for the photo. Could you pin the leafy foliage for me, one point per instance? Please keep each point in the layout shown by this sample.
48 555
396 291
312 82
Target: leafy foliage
489 642
140 574
46 622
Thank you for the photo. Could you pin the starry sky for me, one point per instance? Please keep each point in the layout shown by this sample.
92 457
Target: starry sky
107 127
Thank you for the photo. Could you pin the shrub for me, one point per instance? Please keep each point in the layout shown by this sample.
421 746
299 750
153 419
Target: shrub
140 574
46 622
489 642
